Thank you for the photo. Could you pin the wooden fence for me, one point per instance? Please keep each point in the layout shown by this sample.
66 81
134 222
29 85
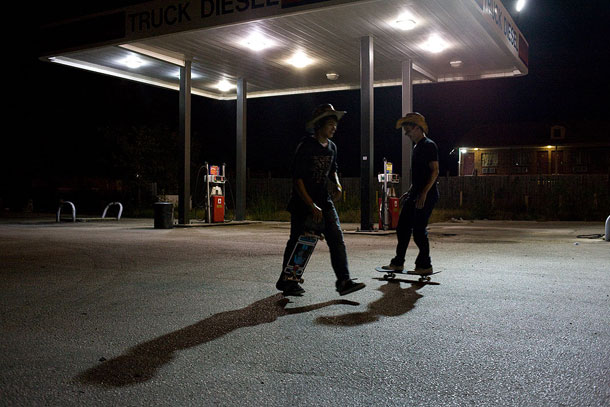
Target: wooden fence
563 197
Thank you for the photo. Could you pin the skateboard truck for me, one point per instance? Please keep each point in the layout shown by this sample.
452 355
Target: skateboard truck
391 274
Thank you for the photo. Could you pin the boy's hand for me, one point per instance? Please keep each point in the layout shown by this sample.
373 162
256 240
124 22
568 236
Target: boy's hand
421 200
337 193
317 213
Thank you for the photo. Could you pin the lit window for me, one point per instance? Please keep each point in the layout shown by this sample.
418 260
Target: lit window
489 159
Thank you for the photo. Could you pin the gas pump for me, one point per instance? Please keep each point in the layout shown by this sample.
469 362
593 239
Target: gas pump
389 203
215 193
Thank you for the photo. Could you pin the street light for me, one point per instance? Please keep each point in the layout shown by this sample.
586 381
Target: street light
520 5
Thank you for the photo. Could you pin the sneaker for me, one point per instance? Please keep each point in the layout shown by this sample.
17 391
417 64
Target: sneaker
348 286
289 287
423 271
393 267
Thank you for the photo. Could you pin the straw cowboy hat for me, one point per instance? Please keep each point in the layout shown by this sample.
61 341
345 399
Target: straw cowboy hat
413 118
320 113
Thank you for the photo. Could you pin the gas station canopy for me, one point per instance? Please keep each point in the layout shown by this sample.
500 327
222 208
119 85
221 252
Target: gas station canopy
239 49
285 47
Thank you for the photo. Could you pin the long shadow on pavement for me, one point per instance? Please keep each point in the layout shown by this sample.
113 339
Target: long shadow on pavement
141 362
396 301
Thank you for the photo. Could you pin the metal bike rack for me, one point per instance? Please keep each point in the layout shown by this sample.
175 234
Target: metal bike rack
59 210
109 205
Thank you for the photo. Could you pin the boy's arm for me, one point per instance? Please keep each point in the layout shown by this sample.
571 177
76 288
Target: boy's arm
338 192
421 199
302 191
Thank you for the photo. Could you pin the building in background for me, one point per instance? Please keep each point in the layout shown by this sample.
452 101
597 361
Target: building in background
536 149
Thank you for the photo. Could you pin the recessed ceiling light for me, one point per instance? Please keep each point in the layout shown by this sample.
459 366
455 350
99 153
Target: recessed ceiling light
404 22
257 42
225 86
456 63
434 44
299 60
332 76
132 62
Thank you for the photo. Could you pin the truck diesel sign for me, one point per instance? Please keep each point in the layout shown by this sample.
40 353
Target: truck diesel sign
501 21
163 17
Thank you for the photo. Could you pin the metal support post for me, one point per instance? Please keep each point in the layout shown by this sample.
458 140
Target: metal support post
407 107
184 197
366 132
385 218
240 205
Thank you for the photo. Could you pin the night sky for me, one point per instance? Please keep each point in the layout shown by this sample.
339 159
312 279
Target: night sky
70 117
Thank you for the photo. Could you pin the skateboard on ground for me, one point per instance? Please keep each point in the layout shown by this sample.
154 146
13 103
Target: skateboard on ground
300 256
391 274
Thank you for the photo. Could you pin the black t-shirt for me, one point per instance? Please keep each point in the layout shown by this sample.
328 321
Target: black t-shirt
424 153
313 163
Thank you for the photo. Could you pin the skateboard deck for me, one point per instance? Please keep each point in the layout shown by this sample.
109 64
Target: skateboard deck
300 257
391 274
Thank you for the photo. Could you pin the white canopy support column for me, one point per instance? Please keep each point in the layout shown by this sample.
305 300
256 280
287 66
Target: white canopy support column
407 107
240 204
366 132
184 198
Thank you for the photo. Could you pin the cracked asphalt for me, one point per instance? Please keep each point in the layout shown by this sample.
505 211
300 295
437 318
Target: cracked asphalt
119 313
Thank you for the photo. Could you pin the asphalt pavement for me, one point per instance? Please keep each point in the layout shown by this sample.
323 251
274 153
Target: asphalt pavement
119 313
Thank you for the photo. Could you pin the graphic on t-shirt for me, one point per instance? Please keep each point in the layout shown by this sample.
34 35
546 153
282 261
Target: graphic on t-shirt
320 167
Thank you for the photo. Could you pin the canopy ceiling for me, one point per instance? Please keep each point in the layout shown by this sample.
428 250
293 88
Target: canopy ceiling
479 36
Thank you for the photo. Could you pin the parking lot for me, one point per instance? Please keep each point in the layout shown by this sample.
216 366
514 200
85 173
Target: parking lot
120 313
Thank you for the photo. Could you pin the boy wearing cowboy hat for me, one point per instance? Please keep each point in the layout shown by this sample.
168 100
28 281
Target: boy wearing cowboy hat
315 162
419 201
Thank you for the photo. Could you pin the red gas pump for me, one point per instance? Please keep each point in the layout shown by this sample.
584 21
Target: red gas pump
389 204
218 210
215 182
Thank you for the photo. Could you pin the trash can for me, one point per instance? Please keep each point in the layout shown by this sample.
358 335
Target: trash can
164 215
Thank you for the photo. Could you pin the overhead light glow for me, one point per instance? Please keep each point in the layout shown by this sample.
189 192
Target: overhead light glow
193 75
332 76
404 22
132 62
455 64
300 60
434 44
257 42
463 150
520 5
225 86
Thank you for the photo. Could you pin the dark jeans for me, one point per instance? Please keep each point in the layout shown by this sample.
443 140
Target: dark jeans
415 221
300 223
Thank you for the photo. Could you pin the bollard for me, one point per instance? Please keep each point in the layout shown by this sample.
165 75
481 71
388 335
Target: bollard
62 203
608 229
111 204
